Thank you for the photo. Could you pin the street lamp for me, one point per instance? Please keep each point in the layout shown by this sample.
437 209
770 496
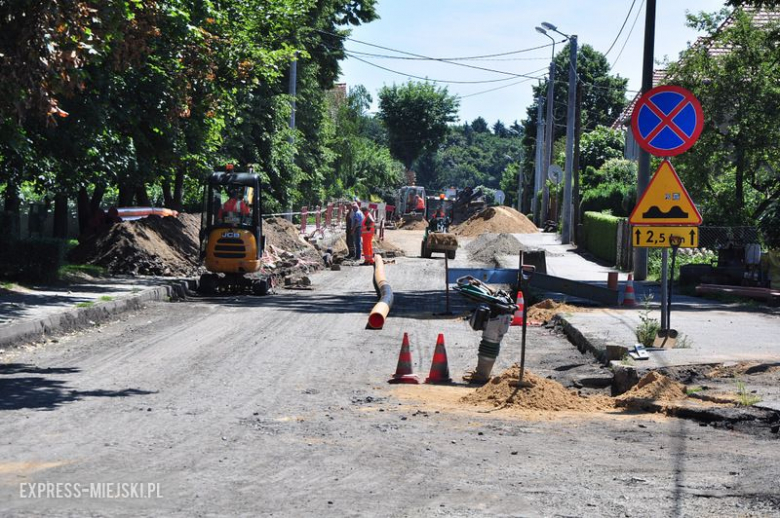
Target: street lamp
549 134
566 228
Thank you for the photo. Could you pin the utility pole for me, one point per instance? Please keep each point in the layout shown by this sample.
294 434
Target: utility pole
293 92
643 169
575 220
538 160
548 142
571 109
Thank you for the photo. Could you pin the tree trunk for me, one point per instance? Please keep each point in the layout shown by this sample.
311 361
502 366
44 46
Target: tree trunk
60 216
97 197
84 209
167 194
178 189
142 197
739 179
11 210
126 195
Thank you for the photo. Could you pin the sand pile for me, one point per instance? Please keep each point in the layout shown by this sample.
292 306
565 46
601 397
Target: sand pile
545 310
487 247
543 394
496 220
149 246
652 388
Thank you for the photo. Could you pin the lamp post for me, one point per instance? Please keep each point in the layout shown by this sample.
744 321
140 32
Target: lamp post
548 134
566 228
519 174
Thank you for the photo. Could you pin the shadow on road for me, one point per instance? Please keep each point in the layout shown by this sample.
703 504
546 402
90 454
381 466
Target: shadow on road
45 393
418 304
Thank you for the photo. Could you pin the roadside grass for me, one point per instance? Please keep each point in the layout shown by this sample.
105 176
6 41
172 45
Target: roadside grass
7 285
85 304
106 298
745 398
75 269
693 389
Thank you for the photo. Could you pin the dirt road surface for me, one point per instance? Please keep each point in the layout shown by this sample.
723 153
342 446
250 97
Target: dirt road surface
279 406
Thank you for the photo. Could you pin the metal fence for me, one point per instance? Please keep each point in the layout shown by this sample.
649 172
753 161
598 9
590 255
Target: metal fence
710 238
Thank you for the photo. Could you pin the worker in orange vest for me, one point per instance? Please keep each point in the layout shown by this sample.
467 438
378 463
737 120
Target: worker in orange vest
368 236
234 205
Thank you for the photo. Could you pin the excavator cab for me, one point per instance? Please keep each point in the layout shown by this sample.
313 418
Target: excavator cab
231 234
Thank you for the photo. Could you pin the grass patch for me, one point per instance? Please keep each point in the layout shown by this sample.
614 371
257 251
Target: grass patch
85 304
745 398
90 269
7 285
106 298
693 389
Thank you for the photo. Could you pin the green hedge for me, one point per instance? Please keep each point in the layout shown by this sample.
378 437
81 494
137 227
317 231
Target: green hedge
32 260
600 233
617 198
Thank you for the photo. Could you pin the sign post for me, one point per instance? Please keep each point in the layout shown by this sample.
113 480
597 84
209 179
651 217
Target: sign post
667 121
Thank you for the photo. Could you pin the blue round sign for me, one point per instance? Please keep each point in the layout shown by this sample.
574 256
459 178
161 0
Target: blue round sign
667 120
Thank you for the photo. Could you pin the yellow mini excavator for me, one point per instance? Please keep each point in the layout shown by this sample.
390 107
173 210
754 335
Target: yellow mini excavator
231 235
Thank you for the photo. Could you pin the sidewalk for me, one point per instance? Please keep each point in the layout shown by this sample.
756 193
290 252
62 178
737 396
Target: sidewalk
716 332
28 314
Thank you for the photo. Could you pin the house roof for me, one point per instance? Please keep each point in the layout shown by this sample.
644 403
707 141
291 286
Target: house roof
761 18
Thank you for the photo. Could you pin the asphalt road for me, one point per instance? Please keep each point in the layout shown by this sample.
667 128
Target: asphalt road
279 406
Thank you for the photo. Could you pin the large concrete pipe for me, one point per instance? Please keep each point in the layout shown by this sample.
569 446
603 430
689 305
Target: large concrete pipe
376 320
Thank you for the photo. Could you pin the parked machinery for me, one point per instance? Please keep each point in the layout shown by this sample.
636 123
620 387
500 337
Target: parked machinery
231 235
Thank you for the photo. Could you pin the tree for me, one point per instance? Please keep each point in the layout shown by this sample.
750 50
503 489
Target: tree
416 116
600 145
603 99
735 165
479 125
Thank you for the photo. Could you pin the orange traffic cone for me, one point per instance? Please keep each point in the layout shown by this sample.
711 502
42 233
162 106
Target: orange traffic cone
629 298
440 370
517 319
403 372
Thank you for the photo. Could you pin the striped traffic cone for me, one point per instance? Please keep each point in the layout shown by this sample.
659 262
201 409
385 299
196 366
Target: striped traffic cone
440 370
403 372
629 298
517 319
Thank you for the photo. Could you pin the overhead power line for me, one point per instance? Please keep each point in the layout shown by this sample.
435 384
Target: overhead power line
630 32
504 86
628 15
429 58
484 81
407 58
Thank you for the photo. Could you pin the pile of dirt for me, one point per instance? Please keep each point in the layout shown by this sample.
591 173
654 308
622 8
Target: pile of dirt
410 224
652 388
496 220
171 247
541 394
284 235
487 247
149 246
546 309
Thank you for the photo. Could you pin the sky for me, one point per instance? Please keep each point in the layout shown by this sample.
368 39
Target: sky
469 28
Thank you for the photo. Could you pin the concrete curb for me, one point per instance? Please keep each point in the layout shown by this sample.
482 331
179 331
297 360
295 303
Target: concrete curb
73 319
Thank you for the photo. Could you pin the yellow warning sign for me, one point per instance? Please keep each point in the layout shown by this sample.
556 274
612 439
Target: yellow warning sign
661 237
665 201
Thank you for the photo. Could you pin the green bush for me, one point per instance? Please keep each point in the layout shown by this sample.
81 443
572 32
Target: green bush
32 260
601 235
616 198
